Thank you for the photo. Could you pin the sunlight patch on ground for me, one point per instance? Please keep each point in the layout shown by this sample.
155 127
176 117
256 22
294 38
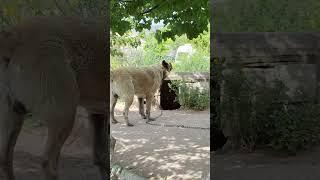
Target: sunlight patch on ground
165 153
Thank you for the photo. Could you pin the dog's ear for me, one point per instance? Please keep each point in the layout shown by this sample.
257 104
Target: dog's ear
166 65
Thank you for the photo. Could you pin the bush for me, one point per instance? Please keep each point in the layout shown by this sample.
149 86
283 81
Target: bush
261 115
198 62
298 129
191 97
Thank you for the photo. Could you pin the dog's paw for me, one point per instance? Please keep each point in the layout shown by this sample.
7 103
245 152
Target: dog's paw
143 116
114 122
151 119
129 124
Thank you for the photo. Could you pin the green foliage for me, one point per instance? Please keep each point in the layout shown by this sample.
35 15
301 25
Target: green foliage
200 60
267 15
189 97
299 128
179 16
118 41
262 115
13 11
196 63
151 52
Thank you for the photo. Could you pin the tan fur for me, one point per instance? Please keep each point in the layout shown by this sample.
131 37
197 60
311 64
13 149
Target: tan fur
142 82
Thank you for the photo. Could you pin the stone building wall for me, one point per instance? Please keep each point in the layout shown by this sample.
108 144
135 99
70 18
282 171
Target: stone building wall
290 57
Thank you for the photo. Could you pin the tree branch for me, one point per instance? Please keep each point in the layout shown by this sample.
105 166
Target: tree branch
146 11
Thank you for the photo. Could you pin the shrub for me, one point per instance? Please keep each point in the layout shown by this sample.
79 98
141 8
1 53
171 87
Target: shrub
263 115
191 97
198 62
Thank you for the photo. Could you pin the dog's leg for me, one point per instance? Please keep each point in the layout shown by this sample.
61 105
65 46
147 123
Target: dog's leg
128 102
149 99
10 126
100 146
59 127
141 108
114 99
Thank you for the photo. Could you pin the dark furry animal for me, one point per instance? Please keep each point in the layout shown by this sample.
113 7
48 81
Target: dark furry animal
218 139
168 97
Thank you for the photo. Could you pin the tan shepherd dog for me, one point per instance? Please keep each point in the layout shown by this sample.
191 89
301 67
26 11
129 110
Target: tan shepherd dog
144 83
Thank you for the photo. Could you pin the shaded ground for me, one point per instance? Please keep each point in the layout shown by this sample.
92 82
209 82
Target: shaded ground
265 166
149 151
163 152
75 162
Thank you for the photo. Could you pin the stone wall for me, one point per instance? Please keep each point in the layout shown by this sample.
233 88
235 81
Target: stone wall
168 97
290 57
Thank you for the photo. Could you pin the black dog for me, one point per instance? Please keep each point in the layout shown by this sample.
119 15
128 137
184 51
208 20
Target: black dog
168 96
218 140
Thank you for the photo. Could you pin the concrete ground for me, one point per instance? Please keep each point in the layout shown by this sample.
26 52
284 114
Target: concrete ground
159 152
149 151
266 166
75 161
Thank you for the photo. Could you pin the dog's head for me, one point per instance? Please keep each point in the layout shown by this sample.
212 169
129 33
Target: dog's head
167 67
